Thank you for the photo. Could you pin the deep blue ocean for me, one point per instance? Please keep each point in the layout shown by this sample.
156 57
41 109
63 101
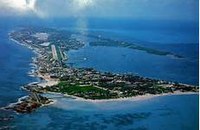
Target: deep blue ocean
178 112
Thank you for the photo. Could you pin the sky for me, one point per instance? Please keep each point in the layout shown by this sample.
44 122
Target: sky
135 9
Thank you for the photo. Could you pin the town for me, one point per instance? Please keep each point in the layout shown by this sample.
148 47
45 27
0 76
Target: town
51 47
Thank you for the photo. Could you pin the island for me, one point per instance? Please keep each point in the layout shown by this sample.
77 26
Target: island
51 47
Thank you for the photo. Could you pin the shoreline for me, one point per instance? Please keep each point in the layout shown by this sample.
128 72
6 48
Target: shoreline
135 98
45 80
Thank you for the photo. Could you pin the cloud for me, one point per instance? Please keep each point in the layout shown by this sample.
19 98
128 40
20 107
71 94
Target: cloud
82 4
19 7
63 8
138 9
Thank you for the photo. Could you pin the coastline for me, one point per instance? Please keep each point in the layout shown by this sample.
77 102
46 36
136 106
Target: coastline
47 81
135 98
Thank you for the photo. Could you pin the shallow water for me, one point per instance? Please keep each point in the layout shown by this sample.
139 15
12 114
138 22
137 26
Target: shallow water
163 113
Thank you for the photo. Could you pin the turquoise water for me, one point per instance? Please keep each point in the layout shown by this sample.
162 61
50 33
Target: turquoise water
179 112
161 113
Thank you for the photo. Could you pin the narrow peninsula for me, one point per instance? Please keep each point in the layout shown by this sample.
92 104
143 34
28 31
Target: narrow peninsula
51 46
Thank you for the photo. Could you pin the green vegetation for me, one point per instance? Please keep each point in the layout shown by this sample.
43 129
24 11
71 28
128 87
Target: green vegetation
133 46
87 92
86 82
